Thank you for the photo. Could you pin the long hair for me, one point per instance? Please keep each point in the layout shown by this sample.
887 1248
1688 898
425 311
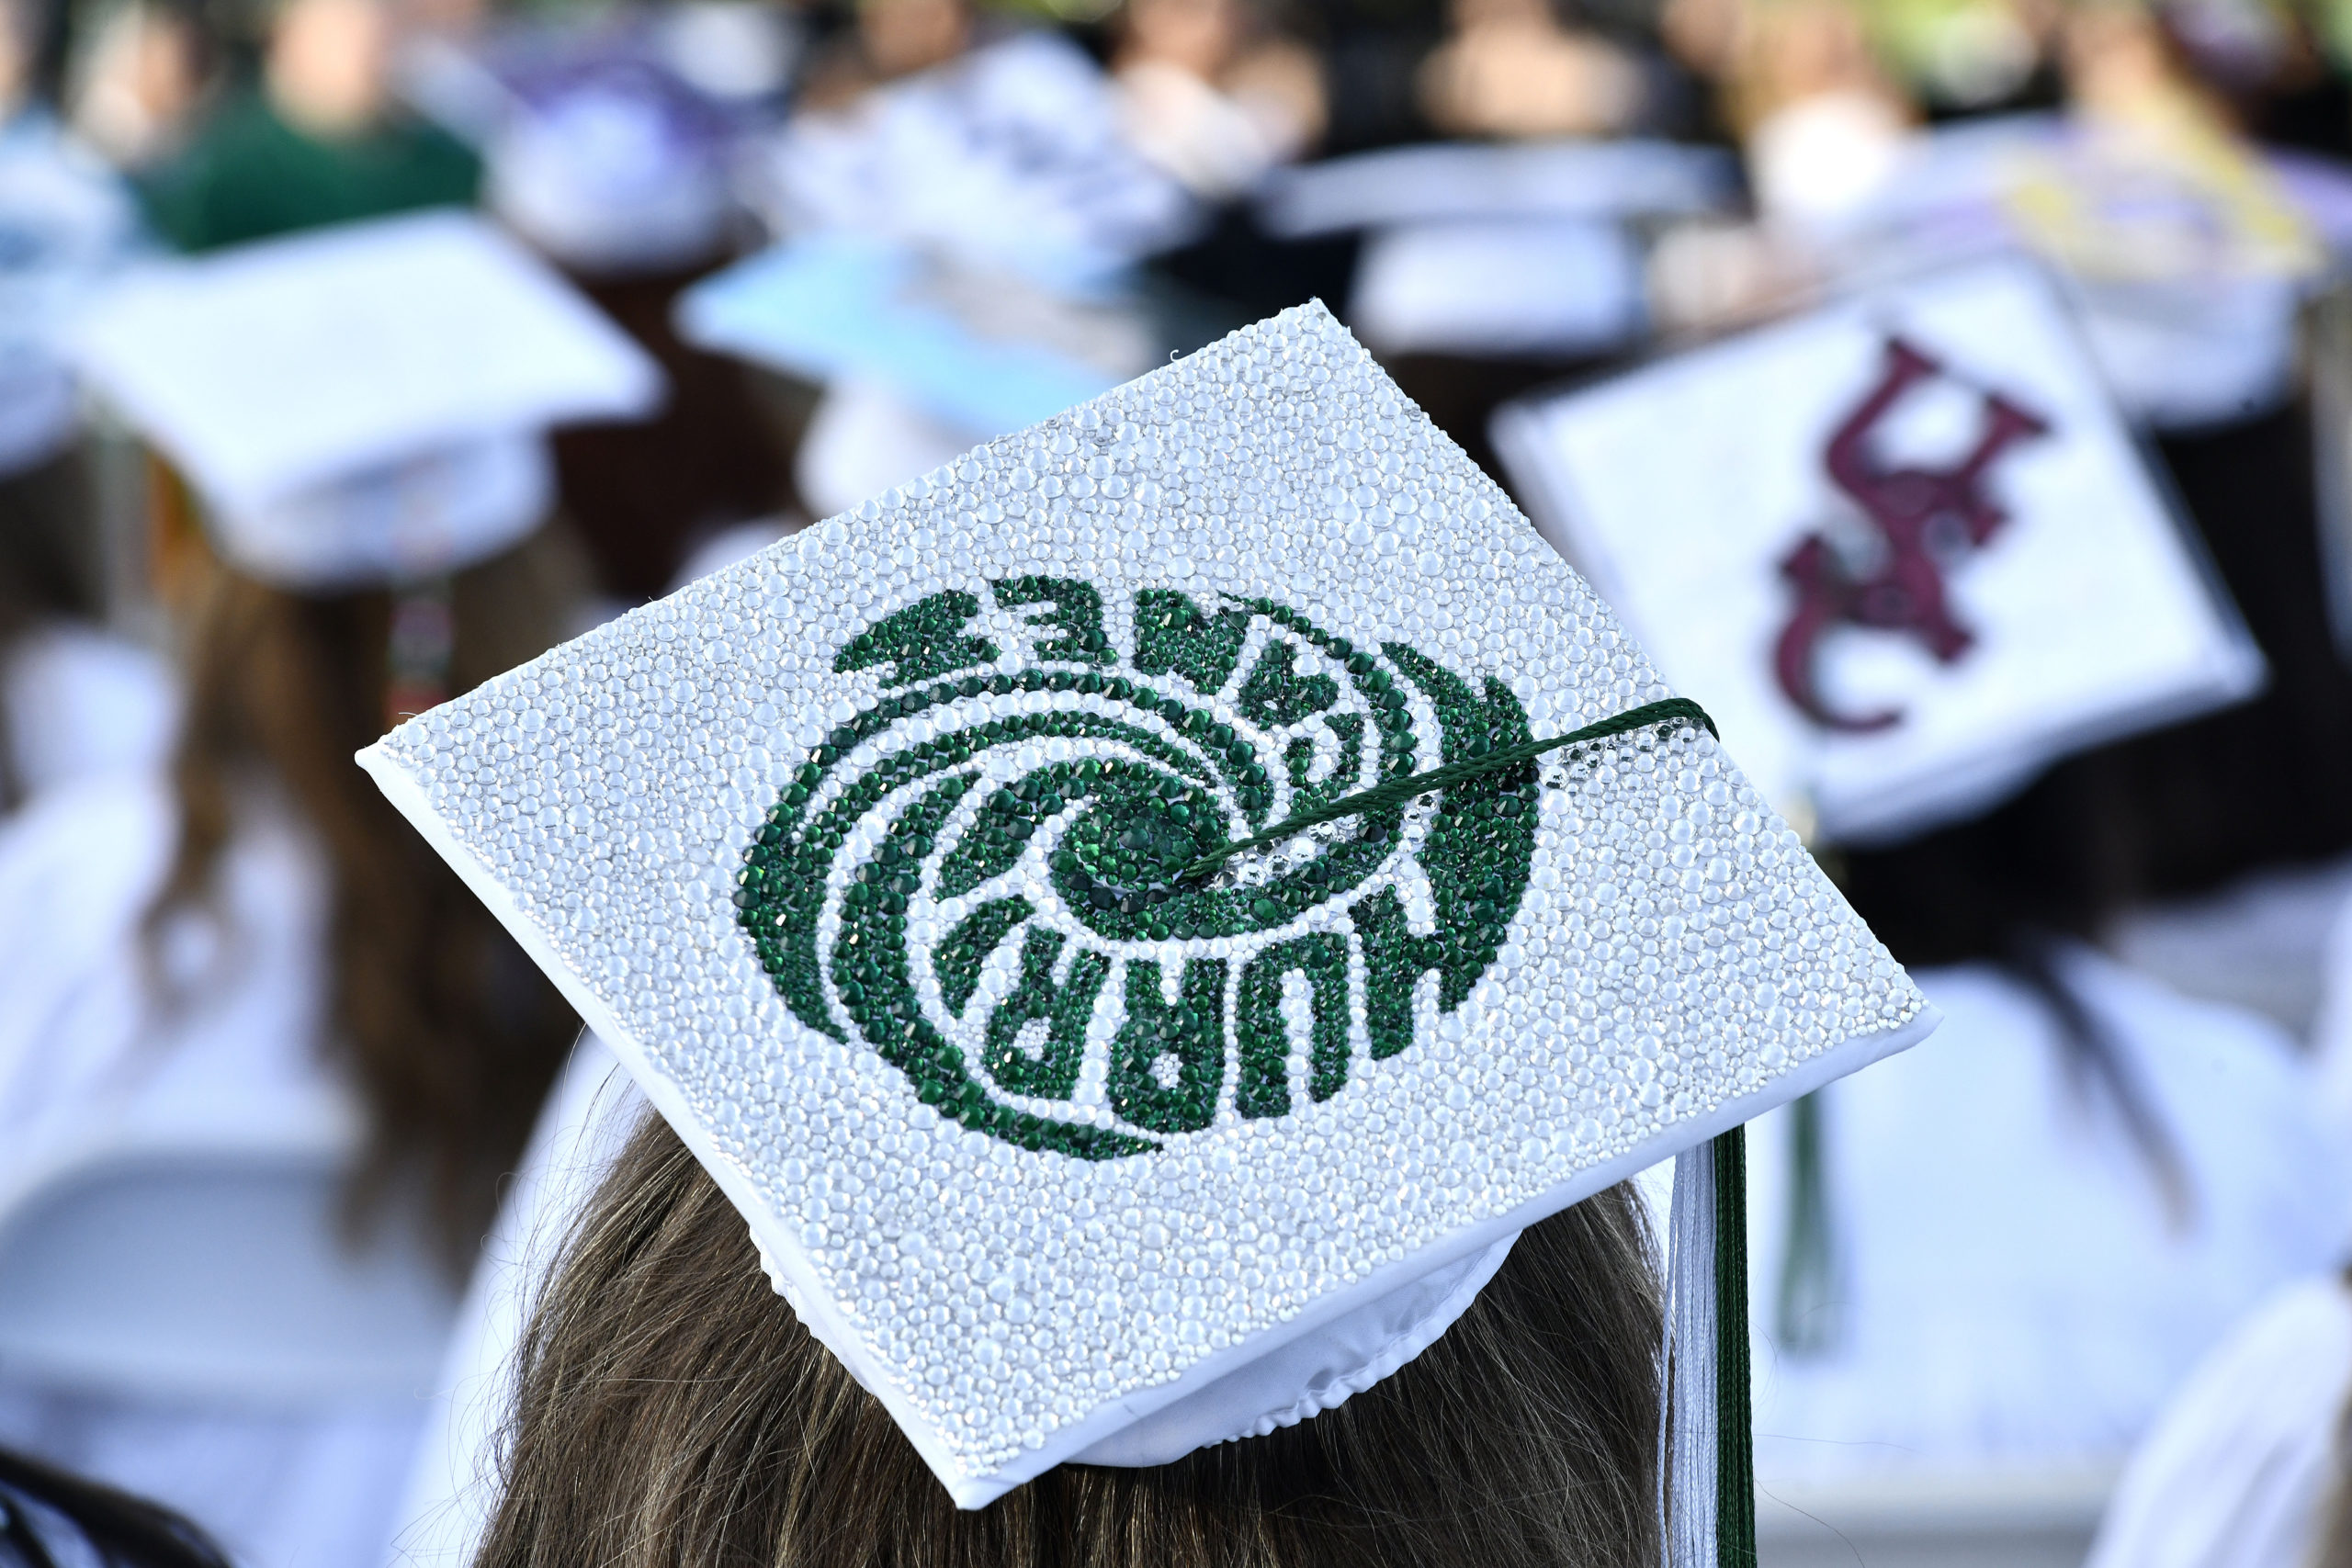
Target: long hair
2010 888
49 569
451 1034
2267 782
670 1410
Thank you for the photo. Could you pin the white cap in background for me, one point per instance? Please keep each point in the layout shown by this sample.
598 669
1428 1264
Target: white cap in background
1903 548
364 403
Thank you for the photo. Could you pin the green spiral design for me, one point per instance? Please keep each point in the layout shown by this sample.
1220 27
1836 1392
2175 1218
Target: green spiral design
1148 788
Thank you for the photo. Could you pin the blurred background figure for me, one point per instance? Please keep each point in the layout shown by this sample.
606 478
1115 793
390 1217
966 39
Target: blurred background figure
318 140
76 700
1508 68
1825 127
1212 95
248 993
2003 1252
137 78
265 1059
2247 1466
890 39
612 146
1934 565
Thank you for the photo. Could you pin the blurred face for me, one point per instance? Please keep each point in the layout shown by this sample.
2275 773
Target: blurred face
1704 34
137 84
1813 46
905 36
2114 56
16 52
1199 36
327 64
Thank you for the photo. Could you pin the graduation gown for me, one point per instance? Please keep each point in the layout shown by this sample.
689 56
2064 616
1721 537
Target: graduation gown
81 704
96 1078
2010 1290
2241 1466
249 175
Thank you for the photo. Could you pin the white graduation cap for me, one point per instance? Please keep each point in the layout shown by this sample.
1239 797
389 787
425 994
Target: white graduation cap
364 402
2184 258
1188 883
608 146
920 355
1499 250
988 352
612 176
1902 547
1482 182
1562 287
1009 157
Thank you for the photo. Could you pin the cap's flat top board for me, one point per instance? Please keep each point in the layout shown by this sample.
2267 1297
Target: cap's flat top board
834 306
1011 156
1692 481
863 849
1471 182
271 367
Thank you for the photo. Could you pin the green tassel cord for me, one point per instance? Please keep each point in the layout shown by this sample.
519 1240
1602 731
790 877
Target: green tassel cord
1396 792
1735 1453
1735 1421
1805 1301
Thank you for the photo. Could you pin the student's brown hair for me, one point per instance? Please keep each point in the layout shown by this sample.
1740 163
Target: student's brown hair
50 569
672 1410
448 1031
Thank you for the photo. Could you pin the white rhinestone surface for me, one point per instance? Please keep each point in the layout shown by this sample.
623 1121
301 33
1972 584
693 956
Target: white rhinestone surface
1675 948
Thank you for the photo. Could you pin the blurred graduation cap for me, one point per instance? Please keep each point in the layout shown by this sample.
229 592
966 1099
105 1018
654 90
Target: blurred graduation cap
610 147
1901 547
365 403
1499 250
1557 287
1467 182
2185 260
611 165
1205 827
1009 158
920 355
985 353
954 262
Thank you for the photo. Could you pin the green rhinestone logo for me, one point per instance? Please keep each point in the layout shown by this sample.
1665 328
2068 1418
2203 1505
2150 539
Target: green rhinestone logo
988 874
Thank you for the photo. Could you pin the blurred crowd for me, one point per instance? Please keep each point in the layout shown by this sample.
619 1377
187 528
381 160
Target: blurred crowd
725 266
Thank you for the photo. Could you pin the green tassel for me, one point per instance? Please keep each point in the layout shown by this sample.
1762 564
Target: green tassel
1804 1305
1735 1424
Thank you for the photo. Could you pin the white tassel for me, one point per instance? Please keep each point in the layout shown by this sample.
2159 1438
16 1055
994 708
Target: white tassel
1688 1416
